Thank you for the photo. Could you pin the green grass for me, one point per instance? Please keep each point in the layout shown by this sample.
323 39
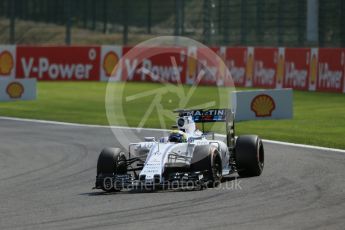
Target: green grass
319 118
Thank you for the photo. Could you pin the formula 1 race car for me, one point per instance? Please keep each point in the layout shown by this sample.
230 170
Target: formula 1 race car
186 157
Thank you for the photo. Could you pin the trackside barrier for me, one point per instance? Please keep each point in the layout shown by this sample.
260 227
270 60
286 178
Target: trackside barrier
309 69
58 63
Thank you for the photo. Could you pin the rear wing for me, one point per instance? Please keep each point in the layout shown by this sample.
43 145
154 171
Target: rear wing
204 116
214 115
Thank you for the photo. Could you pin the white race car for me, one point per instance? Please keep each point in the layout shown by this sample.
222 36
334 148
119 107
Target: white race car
187 157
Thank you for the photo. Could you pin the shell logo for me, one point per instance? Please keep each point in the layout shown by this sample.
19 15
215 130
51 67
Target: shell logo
6 63
110 61
263 105
15 90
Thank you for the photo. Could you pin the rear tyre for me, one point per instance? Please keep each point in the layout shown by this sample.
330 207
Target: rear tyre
110 162
249 156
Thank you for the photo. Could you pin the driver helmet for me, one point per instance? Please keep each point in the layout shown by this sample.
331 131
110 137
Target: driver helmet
177 136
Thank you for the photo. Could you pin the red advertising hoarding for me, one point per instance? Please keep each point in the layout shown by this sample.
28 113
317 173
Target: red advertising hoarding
296 68
236 61
207 66
320 69
154 64
330 76
58 63
265 67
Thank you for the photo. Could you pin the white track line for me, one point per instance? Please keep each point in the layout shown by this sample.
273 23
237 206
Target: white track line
296 145
160 130
77 124
304 146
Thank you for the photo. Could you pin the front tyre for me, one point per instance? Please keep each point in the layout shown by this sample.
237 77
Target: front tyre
214 174
111 161
249 156
206 159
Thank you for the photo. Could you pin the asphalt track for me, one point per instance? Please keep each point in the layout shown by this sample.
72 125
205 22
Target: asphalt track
47 172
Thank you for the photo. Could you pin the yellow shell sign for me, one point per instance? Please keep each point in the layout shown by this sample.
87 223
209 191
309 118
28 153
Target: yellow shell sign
280 68
6 63
250 67
263 105
110 61
15 90
313 69
192 67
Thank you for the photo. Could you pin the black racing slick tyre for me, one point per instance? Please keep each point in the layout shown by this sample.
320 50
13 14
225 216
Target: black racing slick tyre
111 161
249 156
